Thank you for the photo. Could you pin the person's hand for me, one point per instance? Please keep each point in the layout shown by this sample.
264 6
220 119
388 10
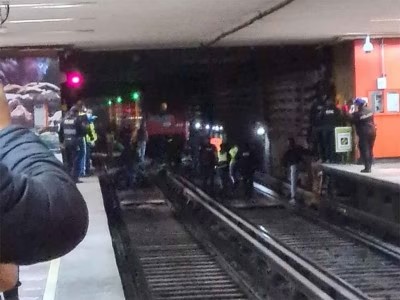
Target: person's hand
5 118
8 277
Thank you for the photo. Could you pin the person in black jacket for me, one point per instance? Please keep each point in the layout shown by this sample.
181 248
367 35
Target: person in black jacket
291 159
42 214
363 119
330 117
208 162
72 130
247 164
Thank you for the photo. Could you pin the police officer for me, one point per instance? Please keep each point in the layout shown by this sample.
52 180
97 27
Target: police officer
247 166
363 119
208 161
315 131
223 169
330 116
71 131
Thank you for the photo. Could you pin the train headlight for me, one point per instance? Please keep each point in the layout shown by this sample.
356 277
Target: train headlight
197 125
260 131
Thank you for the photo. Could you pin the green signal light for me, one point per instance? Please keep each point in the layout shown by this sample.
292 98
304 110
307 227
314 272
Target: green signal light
109 102
119 100
135 96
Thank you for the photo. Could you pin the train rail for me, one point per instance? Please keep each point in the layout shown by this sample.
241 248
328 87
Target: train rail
343 262
165 261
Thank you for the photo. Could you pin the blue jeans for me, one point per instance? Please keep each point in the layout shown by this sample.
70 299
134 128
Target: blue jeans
141 150
81 157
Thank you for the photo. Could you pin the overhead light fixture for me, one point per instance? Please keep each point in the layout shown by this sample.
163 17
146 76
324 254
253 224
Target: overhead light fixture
41 21
59 5
386 20
368 47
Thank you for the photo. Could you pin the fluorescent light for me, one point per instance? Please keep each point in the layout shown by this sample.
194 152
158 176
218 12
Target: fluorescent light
41 21
386 20
59 5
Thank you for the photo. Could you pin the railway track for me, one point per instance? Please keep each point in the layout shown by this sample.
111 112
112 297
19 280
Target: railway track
166 261
358 266
269 253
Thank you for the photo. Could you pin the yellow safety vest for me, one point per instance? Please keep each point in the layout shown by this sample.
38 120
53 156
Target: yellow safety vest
222 157
233 153
91 137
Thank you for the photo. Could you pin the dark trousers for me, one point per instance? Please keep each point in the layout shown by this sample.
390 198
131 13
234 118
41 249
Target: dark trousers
327 142
72 160
81 157
224 179
208 178
366 145
248 182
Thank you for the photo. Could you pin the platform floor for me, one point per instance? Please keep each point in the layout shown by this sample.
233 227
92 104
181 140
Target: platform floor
383 172
88 272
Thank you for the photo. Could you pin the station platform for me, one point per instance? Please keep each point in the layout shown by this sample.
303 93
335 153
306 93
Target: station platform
88 272
382 173
371 197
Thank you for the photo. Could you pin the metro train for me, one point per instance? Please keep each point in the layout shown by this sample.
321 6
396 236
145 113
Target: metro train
168 134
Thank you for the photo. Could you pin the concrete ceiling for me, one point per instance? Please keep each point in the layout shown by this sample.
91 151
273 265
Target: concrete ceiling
139 24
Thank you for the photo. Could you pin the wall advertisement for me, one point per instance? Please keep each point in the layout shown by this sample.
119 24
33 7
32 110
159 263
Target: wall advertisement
32 89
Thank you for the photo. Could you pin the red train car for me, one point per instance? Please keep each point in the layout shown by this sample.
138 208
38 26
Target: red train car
167 125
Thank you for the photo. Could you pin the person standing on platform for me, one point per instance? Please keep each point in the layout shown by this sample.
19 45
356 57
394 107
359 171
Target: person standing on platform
315 131
363 120
33 180
71 131
223 169
291 160
82 146
247 165
142 139
330 117
208 162
91 139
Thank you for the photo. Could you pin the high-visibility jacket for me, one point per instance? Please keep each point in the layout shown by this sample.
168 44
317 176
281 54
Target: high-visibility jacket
222 159
91 137
233 152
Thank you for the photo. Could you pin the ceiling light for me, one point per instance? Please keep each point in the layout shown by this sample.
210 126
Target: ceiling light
368 47
41 21
58 5
386 20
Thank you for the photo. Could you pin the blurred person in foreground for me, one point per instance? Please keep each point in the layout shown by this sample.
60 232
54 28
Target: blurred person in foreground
42 214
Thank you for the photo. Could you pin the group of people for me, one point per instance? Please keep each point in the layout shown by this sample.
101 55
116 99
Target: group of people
324 118
227 168
78 137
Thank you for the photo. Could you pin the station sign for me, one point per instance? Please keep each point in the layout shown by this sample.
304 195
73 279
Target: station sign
343 139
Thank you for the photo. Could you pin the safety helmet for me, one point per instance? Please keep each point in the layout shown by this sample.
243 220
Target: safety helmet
359 102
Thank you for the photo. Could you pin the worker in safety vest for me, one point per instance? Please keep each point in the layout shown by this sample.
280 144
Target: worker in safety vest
223 169
91 139
232 164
